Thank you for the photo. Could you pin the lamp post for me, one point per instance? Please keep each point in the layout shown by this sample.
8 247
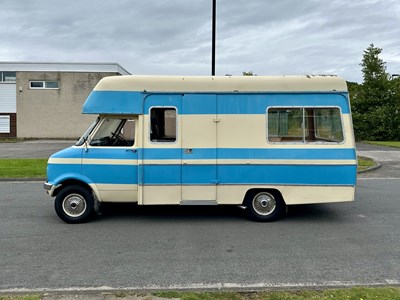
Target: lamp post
214 9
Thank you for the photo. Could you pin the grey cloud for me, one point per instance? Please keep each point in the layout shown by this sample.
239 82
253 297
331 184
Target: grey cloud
173 37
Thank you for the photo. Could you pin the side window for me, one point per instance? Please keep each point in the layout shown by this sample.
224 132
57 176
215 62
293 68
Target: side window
328 125
304 124
163 124
115 132
285 124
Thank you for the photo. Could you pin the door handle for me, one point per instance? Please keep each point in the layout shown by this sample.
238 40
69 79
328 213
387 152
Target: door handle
188 151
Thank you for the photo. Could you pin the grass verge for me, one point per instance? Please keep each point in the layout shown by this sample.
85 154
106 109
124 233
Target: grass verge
356 293
21 297
394 144
359 293
23 168
365 163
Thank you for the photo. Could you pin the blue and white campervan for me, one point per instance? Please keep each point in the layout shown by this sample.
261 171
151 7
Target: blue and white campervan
257 142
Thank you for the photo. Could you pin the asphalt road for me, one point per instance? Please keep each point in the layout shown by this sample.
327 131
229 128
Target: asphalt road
33 149
190 247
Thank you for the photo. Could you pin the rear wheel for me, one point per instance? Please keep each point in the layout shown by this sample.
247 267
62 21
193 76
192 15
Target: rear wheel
74 204
264 206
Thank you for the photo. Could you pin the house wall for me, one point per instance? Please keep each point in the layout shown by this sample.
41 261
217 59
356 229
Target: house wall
47 113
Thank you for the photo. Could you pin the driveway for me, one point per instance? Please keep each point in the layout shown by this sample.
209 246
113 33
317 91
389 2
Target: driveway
33 149
388 157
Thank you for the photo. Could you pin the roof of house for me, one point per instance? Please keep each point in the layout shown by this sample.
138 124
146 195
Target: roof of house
62 67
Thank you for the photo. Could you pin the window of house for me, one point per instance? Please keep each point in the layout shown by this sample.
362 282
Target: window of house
44 84
163 124
304 124
8 76
115 132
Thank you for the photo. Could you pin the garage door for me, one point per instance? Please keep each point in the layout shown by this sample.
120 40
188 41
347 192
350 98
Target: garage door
8 98
8 108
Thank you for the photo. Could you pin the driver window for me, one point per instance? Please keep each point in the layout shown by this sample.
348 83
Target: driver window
115 132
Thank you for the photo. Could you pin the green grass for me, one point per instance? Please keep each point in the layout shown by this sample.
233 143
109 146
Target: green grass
342 294
21 297
23 168
356 293
395 144
365 163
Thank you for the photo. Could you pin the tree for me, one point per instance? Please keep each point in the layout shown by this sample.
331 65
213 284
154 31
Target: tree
373 68
249 73
375 103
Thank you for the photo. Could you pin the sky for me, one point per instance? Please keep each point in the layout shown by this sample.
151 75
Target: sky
173 37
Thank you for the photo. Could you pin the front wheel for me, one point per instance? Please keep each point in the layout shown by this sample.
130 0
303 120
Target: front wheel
74 204
264 206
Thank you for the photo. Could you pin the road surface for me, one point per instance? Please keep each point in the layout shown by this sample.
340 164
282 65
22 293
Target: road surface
132 247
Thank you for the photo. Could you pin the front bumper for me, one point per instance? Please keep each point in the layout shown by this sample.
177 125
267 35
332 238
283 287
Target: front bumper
50 188
47 186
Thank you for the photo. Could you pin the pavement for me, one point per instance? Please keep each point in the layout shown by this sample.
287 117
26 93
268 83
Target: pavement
33 148
387 157
95 296
102 296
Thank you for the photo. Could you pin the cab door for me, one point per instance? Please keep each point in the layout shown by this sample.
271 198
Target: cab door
110 159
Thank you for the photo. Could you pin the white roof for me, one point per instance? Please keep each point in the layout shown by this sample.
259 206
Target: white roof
222 84
62 67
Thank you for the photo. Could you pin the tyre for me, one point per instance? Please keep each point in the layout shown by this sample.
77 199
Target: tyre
264 206
74 204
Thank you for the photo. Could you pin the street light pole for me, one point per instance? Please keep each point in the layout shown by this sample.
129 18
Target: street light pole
214 9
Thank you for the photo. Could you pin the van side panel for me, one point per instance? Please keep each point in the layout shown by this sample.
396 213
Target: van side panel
304 172
221 150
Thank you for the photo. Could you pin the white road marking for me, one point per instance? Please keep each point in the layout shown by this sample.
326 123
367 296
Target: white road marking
211 287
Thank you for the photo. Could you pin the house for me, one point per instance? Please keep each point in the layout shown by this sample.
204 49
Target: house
44 100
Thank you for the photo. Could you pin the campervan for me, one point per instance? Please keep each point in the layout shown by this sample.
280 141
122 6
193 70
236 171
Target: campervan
262 143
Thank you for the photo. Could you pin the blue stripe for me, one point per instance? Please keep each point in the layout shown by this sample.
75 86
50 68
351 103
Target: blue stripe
210 153
59 172
298 175
111 174
199 104
199 174
129 102
162 174
169 100
113 102
110 153
208 174
257 104
250 174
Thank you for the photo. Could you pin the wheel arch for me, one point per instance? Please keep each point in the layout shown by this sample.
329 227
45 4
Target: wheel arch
253 191
73 181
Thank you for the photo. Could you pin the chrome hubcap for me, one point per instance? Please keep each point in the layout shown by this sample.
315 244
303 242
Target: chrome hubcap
74 205
264 204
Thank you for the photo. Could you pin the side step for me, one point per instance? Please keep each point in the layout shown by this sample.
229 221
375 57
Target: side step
199 202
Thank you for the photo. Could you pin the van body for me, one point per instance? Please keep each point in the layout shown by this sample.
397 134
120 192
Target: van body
257 142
